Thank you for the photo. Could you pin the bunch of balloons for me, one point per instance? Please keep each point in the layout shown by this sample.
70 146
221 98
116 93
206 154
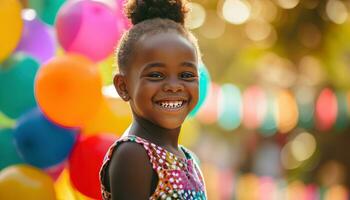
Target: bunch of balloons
56 124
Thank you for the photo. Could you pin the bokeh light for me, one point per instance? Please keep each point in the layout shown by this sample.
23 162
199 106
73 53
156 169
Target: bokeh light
258 30
236 11
197 16
336 11
254 107
213 27
303 146
326 109
287 4
287 111
230 107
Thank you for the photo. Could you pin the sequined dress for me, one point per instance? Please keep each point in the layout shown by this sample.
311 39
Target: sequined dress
178 178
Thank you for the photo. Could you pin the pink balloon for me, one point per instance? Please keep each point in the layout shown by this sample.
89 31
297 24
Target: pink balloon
88 27
122 19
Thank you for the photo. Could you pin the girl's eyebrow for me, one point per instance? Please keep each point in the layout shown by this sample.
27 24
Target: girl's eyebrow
153 64
189 64
160 64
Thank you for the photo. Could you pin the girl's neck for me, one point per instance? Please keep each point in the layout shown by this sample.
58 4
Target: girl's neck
160 136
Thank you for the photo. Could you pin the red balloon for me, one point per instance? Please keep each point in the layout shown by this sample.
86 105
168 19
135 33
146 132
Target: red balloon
85 163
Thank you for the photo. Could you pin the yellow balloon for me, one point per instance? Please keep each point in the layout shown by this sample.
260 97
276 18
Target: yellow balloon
25 182
189 132
108 68
65 190
113 116
11 26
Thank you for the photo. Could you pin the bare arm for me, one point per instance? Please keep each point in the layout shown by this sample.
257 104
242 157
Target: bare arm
130 173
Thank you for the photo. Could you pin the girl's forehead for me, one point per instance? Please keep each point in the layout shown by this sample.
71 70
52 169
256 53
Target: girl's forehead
164 40
165 45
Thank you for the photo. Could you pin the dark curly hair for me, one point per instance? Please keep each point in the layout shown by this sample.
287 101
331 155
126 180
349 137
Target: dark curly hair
151 17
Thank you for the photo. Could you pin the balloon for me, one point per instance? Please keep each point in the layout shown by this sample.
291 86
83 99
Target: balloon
204 85
46 9
107 68
113 116
120 14
88 27
8 153
189 132
17 85
40 142
10 27
68 90
37 38
25 182
85 163
65 190
118 7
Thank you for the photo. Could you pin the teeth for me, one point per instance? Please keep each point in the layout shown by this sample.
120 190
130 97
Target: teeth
173 104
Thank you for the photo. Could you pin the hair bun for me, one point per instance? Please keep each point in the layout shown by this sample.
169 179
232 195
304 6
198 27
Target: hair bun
140 10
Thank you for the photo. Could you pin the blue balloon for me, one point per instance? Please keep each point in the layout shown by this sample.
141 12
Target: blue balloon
42 143
204 85
8 152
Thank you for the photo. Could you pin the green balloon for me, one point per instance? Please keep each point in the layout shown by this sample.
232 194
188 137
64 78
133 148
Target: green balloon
204 85
8 153
17 84
46 9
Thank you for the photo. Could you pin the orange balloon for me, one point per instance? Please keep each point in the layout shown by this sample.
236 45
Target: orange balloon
68 89
114 116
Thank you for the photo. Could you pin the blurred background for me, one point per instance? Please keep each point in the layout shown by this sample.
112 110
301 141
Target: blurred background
272 122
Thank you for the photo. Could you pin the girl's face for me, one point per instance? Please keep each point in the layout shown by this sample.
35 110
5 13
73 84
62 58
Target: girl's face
162 81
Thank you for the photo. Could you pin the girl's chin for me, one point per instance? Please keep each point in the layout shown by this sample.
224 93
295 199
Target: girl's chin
167 124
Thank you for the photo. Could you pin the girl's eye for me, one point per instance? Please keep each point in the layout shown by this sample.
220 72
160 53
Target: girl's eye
155 75
188 75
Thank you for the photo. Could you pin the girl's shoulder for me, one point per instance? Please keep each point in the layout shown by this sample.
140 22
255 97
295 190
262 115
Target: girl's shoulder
127 165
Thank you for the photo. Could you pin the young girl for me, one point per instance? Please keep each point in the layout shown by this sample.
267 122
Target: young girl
158 75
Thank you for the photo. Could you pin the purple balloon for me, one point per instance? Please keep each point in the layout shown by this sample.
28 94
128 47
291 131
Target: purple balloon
37 40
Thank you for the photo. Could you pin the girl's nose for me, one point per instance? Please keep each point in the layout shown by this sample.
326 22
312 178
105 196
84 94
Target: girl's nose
173 86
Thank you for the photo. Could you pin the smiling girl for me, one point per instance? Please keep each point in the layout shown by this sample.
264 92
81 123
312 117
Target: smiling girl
158 75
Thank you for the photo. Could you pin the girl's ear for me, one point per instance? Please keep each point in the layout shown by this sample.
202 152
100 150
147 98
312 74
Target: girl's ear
120 85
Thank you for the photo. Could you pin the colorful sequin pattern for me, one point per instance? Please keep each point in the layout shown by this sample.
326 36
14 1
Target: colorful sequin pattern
179 178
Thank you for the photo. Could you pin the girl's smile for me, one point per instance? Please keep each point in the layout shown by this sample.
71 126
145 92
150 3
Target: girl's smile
172 105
